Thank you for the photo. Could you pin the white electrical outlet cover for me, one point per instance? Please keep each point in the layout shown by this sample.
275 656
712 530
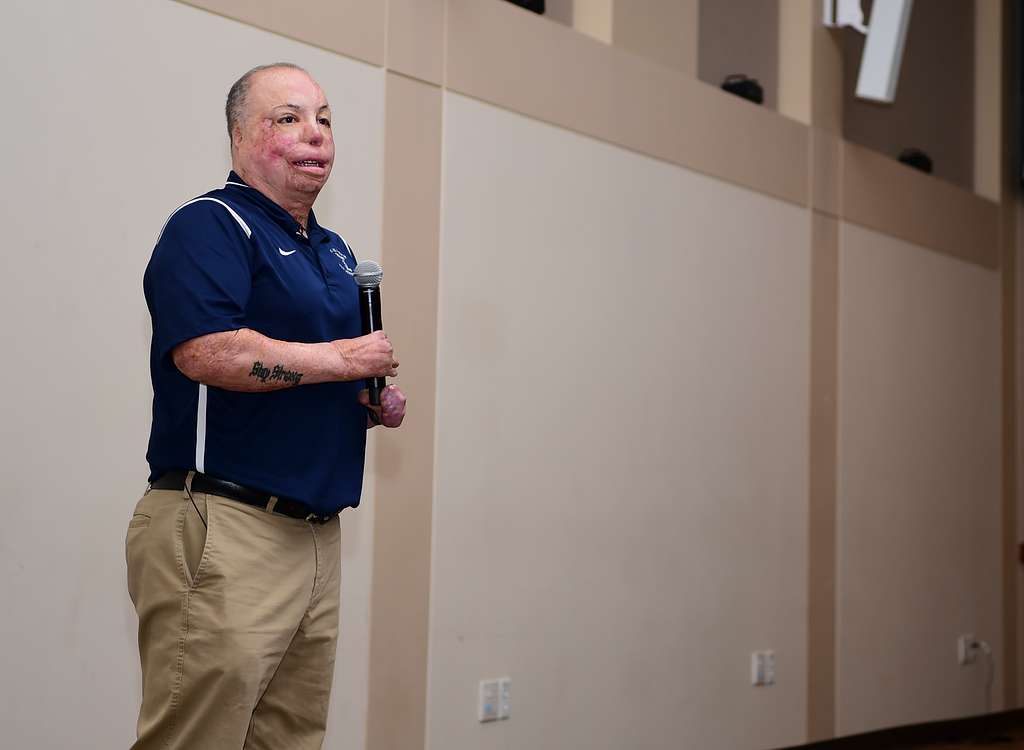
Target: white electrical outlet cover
965 654
488 700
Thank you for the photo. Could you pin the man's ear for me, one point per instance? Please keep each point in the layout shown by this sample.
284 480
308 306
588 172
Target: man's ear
236 136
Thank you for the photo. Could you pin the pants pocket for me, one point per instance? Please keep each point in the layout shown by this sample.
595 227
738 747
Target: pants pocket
139 523
194 528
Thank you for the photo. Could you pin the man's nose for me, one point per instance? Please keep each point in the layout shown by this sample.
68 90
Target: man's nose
314 134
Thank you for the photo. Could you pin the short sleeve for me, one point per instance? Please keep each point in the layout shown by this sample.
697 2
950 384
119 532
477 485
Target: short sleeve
200 276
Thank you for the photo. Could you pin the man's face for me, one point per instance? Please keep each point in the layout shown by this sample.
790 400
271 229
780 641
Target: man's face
284 139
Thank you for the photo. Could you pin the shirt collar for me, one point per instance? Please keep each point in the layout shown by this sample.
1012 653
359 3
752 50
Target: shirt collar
315 232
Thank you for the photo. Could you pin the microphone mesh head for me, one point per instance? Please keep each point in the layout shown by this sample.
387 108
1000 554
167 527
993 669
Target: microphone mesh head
368 273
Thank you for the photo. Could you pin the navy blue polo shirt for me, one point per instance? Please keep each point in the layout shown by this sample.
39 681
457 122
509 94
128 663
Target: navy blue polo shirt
234 259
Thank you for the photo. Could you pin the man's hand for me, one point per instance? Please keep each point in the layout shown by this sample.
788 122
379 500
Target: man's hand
391 411
368 356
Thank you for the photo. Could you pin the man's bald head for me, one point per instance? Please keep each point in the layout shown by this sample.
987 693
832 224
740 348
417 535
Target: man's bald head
234 110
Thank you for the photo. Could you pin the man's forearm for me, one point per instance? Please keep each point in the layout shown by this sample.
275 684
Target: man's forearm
245 360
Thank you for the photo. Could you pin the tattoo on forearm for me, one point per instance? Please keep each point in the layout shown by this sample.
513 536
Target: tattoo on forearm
263 374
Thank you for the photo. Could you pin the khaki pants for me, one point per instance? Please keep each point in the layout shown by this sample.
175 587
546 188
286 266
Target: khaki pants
238 623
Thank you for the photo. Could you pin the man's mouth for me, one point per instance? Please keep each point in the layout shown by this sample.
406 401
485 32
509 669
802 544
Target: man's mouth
310 163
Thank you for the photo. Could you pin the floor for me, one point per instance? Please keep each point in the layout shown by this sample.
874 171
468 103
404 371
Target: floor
1009 740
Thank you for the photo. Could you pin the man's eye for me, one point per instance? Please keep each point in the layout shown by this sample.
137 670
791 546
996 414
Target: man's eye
287 119
325 121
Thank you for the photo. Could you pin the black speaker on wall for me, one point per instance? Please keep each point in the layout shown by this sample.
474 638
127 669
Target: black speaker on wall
537 6
916 158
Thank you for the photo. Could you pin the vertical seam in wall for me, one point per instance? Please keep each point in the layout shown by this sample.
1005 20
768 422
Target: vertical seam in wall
823 508
810 717
387 38
437 370
821 563
810 704
837 448
444 62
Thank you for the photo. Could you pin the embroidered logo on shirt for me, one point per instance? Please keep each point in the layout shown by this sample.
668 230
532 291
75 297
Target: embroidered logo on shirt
344 262
285 253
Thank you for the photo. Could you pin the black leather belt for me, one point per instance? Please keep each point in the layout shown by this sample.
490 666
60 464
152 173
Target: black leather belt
175 480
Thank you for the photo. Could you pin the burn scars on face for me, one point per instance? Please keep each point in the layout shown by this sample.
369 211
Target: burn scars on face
285 146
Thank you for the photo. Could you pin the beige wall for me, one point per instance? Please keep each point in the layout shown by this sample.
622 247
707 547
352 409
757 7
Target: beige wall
618 547
620 514
118 129
918 482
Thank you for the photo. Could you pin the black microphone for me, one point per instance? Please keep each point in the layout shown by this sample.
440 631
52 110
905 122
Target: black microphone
368 275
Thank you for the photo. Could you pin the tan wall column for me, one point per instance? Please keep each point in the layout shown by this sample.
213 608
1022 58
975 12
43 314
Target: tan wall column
821 580
988 87
662 30
795 59
400 596
594 18
824 106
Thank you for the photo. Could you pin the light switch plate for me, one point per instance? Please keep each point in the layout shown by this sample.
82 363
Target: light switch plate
762 668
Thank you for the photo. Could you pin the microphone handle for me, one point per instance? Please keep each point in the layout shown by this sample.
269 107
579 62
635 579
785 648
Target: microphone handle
369 310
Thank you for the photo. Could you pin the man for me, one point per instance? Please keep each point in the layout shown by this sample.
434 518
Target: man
258 436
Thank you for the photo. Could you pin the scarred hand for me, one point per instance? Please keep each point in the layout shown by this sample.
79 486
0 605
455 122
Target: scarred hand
391 411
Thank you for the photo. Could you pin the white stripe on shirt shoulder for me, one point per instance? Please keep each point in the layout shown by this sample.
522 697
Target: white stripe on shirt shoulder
234 215
240 184
347 246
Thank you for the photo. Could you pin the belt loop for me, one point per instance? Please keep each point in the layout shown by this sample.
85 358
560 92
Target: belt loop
272 503
188 482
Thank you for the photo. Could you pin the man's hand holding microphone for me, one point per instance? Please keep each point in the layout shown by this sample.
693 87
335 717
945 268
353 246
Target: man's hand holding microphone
373 356
385 404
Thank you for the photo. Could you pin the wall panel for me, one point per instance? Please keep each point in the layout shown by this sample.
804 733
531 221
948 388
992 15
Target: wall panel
918 481
621 467
133 126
